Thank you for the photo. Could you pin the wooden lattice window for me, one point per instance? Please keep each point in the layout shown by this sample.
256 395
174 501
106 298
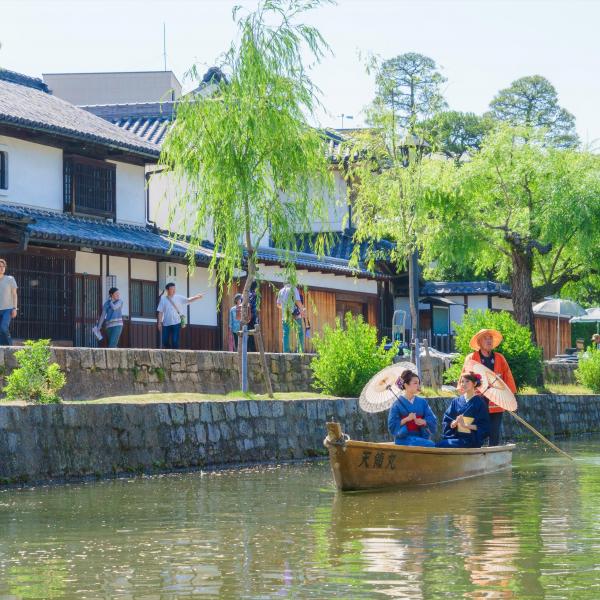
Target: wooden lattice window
144 298
3 170
89 187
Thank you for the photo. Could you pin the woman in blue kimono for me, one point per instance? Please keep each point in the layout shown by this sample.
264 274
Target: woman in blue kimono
467 420
410 419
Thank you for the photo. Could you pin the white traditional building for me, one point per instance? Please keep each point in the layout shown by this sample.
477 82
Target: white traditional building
74 222
334 287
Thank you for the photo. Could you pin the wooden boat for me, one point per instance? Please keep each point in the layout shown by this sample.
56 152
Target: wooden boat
366 465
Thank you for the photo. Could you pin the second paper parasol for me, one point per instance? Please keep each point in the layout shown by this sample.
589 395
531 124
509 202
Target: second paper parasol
496 390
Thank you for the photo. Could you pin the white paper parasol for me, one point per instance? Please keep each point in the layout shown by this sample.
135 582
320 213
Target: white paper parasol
495 390
492 386
381 391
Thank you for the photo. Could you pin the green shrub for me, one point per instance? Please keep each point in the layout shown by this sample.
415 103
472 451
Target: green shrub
348 357
36 379
524 358
588 370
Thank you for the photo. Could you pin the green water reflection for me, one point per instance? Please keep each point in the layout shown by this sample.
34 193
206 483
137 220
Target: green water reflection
284 533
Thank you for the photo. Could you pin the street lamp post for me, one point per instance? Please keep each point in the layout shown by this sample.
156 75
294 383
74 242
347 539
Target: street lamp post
343 116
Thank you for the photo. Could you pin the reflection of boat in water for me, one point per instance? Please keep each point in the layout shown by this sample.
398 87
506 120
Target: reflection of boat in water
360 465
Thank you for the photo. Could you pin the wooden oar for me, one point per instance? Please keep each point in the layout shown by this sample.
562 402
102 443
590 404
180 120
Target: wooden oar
536 432
521 419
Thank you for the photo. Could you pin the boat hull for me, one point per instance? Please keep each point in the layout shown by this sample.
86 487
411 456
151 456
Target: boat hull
365 465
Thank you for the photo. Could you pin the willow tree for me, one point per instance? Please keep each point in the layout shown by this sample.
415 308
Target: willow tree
528 212
391 181
246 159
390 173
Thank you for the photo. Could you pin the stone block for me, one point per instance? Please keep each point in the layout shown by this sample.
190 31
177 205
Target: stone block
86 358
230 410
163 413
218 414
214 433
277 408
192 410
206 412
242 409
200 431
177 413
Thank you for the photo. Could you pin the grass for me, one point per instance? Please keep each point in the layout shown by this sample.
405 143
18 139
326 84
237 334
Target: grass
567 389
152 397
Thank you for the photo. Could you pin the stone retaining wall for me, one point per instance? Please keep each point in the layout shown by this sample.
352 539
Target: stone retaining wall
98 372
559 372
62 441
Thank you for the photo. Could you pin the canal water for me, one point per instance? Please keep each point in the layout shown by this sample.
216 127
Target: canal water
283 532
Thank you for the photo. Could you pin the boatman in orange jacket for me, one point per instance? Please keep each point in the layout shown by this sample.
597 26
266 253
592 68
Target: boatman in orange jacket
483 343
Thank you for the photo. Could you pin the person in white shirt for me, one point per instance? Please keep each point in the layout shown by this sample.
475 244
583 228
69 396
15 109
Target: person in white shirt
8 304
171 309
289 301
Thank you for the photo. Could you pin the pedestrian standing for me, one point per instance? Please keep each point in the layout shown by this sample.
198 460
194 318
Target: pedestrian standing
8 303
112 318
235 316
292 309
171 318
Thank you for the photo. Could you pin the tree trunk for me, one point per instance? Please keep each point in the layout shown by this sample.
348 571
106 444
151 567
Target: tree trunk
413 297
522 290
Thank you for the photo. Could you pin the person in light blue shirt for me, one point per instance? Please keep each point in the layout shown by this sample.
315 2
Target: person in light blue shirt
411 421
235 313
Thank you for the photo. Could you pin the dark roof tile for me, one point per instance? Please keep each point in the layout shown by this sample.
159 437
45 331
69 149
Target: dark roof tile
28 106
449 288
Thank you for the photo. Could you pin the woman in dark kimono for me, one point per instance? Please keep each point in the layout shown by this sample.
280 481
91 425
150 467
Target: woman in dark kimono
466 422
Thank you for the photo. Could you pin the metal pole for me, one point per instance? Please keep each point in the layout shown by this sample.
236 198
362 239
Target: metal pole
558 333
245 358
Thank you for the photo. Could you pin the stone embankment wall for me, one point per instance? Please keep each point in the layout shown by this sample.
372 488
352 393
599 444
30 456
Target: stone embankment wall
559 372
62 441
98 372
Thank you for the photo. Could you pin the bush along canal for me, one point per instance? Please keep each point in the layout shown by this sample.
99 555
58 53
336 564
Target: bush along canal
77 440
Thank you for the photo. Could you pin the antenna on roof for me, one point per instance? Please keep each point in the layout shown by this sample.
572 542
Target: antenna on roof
165 44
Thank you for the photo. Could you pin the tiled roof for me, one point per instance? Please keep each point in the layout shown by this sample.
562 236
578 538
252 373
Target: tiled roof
342 246
452 288
305 260
44 226
25 102
65 229
148 120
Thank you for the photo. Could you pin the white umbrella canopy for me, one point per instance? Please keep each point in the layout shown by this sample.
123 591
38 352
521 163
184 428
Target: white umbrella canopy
559 307
591 315
381 391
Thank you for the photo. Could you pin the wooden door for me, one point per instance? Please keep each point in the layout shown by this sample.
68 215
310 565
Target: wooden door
87 306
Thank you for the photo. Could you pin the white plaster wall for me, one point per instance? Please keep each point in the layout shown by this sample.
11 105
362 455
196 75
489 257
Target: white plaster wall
35 174
322 280
502 304
402 303
143 269
163 193
87 262
204 311
479 302
131 194
456 312
117 265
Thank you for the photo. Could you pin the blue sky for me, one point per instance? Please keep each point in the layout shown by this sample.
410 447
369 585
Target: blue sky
481 45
